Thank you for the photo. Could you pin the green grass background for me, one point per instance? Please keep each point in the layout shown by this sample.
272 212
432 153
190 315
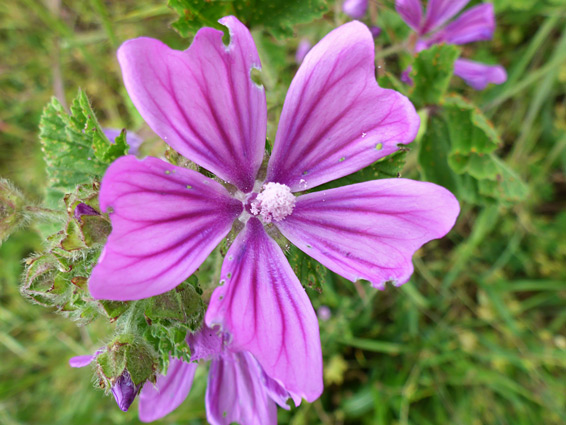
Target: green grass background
477 337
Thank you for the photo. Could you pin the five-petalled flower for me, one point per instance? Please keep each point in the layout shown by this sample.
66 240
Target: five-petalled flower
335 120
475 24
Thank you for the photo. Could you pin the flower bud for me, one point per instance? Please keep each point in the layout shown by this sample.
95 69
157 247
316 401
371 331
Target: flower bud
125 391
126 364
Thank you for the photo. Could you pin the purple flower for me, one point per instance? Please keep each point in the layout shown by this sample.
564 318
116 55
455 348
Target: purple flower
302 50
336 120
324 313
355 8
238 389
375 31
124 390
475 24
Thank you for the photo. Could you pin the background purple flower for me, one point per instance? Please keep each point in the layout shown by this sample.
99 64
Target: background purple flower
166 219
355 8
302 50
475 24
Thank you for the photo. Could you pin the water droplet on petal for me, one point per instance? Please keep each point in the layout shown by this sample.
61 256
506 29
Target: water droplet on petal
379 146
364 135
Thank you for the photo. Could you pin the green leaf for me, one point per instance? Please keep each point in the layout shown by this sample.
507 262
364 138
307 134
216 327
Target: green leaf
310 272
277 16
390 81
457 152
506 186
75 149
431 74
385 168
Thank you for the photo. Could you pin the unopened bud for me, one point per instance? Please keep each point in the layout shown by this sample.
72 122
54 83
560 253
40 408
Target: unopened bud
125 391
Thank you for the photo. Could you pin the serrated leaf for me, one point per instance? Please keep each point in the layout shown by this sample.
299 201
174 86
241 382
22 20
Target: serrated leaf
277 16
431 74
75 149
477 177
471 133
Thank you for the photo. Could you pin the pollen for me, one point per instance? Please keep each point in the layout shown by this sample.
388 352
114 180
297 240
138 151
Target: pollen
274 203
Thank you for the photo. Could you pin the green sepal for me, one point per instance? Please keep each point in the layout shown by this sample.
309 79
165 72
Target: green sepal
126 353
87 230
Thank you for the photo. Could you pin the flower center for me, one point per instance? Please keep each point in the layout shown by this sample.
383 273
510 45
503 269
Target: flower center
274 203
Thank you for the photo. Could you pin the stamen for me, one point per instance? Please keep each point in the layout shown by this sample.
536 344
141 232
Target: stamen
274 203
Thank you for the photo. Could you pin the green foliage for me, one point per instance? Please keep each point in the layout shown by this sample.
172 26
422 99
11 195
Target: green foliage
476 337
384 168
310 272
75 149
278 16
171 316
457 152
431 74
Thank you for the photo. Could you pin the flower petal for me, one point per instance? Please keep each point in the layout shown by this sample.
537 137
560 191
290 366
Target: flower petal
440 11
336 119
81 361
206 344
202 101
476 24
411 11
371 230
235 392
165 222
169 391
266 311
355 8
479 75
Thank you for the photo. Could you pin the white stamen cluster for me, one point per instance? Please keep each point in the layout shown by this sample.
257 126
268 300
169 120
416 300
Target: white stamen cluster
275 202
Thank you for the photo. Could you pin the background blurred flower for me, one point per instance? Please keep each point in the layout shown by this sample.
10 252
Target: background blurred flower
302 50
355 8
475 24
